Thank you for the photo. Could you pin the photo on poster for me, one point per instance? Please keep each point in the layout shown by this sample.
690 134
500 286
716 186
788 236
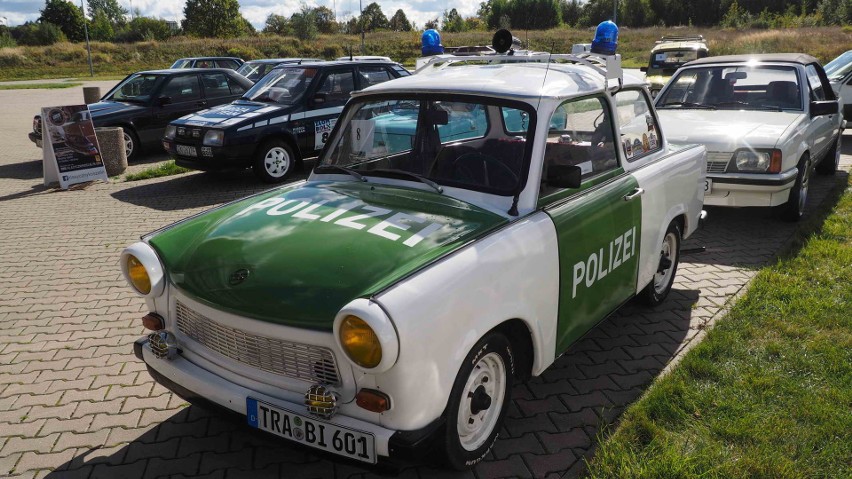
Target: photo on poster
73 146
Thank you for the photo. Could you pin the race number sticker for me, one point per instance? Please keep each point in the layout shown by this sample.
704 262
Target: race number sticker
362 136
322 128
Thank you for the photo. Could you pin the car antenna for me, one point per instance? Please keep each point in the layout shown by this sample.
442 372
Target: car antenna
350 53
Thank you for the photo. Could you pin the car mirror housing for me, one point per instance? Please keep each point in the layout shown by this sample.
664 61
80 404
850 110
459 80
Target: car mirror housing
564 176
825 107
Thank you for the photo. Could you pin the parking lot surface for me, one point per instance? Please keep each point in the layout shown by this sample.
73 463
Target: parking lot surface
75 402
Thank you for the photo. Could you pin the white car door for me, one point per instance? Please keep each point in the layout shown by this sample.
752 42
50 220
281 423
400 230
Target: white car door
821 128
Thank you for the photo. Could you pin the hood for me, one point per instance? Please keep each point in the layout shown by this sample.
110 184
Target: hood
310 249
232 114
104 109
726 130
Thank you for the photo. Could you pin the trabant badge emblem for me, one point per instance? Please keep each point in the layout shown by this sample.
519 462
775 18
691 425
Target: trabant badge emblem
238 276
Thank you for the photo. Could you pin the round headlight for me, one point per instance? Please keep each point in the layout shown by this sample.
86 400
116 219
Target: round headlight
360 342
138 275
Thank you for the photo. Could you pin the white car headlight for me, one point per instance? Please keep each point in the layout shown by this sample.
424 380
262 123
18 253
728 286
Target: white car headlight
171 130
214 138
142 269
366 336
756 161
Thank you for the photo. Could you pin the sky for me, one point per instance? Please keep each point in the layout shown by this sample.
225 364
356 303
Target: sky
17 12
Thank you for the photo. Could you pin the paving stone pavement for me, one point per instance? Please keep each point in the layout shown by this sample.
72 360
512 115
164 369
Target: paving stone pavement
75 402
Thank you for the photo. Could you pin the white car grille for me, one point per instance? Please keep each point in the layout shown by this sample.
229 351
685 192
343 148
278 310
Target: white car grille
294 360
717 162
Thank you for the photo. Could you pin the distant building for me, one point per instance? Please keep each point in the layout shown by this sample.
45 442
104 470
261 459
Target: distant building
173 25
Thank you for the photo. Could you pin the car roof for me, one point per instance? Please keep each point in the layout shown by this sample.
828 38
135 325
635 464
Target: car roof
335 63
679 45
281 60
184 71
209 58
799 58
509 80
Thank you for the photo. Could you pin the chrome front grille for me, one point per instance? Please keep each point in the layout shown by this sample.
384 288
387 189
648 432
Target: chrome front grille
717 162
293 360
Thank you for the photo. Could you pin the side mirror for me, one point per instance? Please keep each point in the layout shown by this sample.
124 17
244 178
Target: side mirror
643 69
320 98
164 100
564 176
824 107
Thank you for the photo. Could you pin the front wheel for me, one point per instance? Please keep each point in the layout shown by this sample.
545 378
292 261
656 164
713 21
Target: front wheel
131 144
829 164
794 208
659 287
274 161
478 401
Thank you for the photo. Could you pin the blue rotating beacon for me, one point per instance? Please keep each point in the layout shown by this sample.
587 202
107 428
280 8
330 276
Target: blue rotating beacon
606 38
431 43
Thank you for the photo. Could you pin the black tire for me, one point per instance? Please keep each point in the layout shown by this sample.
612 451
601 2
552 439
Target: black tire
132 147
794 208
274 161
473 423
828 165
661 284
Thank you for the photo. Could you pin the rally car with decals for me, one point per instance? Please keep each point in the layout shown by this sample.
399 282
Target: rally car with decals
462 228
285 118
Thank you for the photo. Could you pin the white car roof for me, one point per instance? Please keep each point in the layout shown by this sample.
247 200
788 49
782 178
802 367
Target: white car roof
508 80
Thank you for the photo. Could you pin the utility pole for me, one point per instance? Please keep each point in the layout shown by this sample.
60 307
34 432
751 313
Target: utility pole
614 11
361 22
88 47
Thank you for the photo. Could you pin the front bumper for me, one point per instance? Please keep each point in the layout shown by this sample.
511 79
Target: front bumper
217 158
200 386
751 189
35 138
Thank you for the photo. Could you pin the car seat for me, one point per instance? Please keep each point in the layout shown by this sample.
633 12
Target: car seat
784 94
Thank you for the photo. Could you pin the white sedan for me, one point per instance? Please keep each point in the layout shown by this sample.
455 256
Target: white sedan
767 120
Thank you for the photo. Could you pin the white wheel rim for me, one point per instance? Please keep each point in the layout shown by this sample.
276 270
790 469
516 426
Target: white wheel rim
669 251
474 427
803 188
128 145
276 162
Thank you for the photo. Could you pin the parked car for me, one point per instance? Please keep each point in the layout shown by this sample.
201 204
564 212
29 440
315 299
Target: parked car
145 102
670 53
231 63
461 229
285 118
254 70
839 72
767 121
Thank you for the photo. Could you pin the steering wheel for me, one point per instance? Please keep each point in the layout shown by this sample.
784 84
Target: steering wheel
462 164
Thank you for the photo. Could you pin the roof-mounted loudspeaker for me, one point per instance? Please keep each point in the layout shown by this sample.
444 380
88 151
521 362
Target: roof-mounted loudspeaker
502 40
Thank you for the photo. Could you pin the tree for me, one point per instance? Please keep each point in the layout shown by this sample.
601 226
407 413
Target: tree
114 12
431 24
399 22
304 23
835 12
213 18
101 28
452 21
372 18
277 25
324 18
65 15
571 11
144 28
484 12
42 33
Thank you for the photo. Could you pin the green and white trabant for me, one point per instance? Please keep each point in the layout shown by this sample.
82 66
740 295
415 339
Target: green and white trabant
461 229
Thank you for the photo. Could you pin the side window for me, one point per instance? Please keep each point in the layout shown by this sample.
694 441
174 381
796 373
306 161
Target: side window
464 121
816 86
236 88
182 88
336 87
373 76
640 134
215 85
203 64
580 134
515 122
226 64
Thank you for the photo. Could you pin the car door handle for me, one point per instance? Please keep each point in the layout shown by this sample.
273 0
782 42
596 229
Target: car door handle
202 103
635 194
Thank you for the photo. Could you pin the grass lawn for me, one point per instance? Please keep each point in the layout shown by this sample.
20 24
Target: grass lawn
768 393
39 86
163 169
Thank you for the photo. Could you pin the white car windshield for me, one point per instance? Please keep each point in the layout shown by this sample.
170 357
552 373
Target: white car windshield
774 88
282 85
839 67
469 143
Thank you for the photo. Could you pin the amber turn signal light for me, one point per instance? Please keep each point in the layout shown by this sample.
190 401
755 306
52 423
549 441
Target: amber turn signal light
153 321
372 400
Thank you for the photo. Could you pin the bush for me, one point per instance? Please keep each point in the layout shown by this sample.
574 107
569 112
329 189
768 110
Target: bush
43 33
6 40
244 53
12 57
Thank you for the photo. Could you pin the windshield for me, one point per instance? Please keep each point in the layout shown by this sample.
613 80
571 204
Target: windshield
839 67
672 58
734 88
282 85
475 144
136 88
251 70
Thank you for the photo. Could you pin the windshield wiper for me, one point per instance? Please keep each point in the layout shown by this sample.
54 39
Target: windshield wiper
348 171
408 174
686 104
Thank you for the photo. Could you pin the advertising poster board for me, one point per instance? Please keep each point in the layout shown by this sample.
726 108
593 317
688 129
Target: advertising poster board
71 151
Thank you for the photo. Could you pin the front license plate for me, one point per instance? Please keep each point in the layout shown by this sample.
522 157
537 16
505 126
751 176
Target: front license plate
186 150
313 432
708 186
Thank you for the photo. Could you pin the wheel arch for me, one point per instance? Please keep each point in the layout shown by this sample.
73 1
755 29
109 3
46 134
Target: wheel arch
520 337
286 136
